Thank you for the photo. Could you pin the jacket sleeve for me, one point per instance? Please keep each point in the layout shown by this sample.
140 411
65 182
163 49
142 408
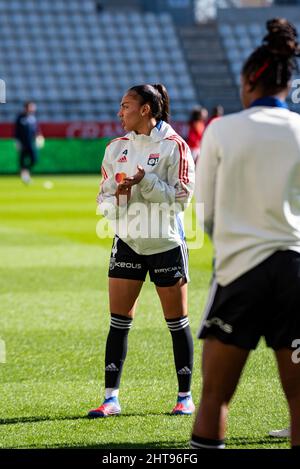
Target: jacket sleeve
206 177
106 199
181 179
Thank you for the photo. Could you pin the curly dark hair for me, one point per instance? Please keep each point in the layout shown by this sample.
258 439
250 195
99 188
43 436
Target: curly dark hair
272 64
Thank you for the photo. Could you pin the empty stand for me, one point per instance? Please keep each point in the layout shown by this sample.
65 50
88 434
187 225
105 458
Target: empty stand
76 61
241 35
239 41
208 65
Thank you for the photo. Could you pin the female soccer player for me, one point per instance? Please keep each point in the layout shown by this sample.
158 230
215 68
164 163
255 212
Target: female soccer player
249 181
151 168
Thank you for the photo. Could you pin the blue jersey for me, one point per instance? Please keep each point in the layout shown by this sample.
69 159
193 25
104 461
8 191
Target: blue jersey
26 130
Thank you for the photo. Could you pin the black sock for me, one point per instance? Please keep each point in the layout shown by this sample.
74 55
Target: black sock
116 349
206 443
183 349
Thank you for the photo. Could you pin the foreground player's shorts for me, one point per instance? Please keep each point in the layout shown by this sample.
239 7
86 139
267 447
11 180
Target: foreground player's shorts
265 301
165 268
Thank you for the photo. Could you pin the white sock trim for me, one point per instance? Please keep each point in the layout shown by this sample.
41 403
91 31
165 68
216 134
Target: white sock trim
195 445
111 392
185 394
178 324
117 323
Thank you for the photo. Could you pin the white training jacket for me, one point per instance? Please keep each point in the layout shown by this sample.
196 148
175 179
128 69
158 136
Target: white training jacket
248 177
146 223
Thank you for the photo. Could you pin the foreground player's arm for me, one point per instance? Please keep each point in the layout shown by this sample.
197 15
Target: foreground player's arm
110 204
206 176
181 179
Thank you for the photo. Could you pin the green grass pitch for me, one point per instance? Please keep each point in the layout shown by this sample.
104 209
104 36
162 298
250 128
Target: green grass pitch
54 321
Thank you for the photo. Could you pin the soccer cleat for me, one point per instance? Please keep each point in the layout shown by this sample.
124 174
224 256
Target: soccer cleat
109 408
25 176
285 433
184 406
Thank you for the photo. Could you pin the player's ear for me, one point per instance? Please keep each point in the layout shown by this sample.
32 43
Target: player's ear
248 83
145 110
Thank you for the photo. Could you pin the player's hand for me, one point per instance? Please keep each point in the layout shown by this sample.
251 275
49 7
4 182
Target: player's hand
135 179
182 191
123 194
39 141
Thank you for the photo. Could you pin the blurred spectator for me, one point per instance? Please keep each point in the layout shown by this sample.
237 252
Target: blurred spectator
217 112
197 125
27 134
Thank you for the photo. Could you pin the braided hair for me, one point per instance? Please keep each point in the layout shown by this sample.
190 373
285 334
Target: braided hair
272 64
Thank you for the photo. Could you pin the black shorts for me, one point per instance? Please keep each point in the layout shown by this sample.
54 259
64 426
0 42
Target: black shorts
263 302
165 268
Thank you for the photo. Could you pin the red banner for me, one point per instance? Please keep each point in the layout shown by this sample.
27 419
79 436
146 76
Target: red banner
81 129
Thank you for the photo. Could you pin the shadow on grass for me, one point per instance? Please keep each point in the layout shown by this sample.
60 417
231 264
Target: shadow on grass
114 446
161 445
268 440
33 419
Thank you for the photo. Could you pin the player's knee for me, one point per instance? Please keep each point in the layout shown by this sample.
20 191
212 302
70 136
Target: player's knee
216 392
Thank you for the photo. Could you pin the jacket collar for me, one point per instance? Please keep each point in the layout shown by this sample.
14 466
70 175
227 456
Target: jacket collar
160 132
269 101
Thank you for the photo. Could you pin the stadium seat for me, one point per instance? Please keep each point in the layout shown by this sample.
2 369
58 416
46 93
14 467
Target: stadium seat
60 53
238 41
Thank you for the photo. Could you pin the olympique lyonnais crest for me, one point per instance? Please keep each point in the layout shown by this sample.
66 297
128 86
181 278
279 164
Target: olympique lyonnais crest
153 159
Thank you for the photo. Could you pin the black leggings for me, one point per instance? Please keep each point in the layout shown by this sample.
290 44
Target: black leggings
28 158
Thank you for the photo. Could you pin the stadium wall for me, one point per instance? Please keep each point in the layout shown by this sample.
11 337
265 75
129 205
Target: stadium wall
59 155
70 147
